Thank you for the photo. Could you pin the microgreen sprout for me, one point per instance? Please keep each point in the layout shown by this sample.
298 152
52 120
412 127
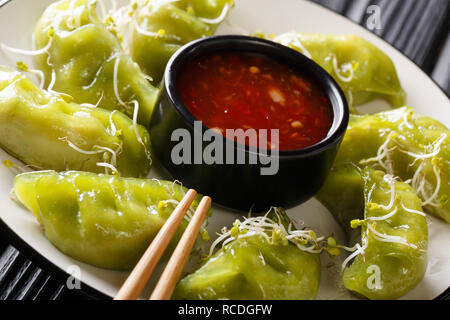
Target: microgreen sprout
274 232
73 21
332 247
346 67
20 65
150 79
107 154
435 146
413 211
419 181
405 122
390 180
191 11
355 223
161 33
112 127
220 18
356 250
50 33
429 200
14 168
111 26
333 252
383 154
135 109
370 227
292 39
109 166
118 21
385 217
65 96
52 81
389 238
90 105
171 193
369 224
115 83
135 115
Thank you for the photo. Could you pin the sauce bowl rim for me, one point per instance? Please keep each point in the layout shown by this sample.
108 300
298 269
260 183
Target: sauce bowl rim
322 78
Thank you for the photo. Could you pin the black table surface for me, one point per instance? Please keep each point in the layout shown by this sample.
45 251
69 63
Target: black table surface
418 28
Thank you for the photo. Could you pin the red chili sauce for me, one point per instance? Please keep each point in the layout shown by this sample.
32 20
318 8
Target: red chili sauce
232 90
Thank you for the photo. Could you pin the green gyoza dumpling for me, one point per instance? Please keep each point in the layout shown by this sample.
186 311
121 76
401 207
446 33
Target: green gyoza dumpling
414 147
363 71
390 248
103 220
257 261
161 27
85 60
45 132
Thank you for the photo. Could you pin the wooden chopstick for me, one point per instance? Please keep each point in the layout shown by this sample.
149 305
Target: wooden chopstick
166 284
137 279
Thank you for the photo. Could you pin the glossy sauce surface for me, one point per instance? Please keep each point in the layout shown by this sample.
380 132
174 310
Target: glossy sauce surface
230 90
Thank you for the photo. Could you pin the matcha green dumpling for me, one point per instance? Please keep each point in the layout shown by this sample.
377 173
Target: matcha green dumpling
159 28
363 71
45 132
260 258
405 144
84 59
386 228
103 220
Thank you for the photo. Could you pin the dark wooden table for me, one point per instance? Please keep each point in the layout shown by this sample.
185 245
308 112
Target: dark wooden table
418 28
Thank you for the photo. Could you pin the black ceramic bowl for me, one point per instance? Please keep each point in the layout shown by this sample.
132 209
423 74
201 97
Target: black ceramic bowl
301 172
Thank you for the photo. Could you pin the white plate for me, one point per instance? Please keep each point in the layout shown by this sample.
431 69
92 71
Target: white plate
17 20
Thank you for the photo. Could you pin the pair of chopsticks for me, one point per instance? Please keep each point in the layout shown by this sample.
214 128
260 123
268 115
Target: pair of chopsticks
137 279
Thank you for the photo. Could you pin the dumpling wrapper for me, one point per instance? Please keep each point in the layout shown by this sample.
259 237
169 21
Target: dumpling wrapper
88 62
160 29
103 220
362 70
393 234
44 131
401 142
254 268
